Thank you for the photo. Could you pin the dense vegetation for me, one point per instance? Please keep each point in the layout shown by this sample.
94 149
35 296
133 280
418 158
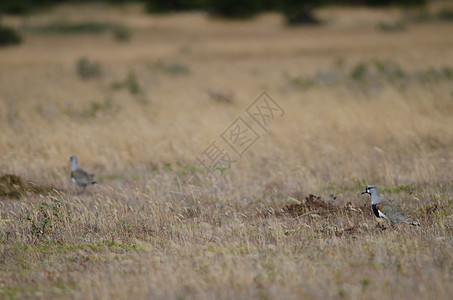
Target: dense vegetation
294 10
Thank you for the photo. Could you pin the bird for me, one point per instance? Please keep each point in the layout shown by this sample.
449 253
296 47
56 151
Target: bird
385 209
78 175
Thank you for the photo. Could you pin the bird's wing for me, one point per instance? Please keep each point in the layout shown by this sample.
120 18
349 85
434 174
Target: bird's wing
394 212
382 209
81 176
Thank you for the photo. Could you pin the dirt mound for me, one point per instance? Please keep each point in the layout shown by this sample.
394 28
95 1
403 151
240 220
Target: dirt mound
312 205
316 205
14 187
11 186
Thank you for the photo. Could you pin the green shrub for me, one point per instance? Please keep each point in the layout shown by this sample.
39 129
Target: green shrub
122 34
371 74
21 7
171 68
359 72
16 7
404 3
96 107
9 36
130 83
300 12
162 6
395 26
389 69
234 9
87 69
79 28
445 15
48 217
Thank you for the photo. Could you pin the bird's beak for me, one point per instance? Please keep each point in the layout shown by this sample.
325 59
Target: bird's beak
364 192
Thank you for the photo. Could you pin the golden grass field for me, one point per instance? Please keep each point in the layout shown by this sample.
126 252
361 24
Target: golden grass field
143 232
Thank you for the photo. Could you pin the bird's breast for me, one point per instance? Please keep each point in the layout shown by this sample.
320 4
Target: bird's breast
375 210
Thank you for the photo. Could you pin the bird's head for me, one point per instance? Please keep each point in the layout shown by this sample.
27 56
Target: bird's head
370 189
73 159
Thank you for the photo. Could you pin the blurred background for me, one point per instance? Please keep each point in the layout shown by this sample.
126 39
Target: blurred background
146 92
136 87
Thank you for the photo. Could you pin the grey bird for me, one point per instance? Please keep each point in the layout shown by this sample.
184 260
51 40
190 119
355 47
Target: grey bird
385 209
78 175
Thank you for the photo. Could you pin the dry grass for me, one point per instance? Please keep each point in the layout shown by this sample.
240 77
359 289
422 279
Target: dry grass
140 124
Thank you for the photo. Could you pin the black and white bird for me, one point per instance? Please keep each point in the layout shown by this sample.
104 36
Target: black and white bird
78 175
385 209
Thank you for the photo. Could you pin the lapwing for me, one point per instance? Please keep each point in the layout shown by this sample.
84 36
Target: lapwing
78 175
385 209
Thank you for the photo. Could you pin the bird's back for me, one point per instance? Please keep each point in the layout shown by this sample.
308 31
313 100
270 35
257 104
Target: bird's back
394 213
81 177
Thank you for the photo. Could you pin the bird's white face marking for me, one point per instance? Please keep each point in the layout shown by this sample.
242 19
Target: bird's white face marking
73 180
